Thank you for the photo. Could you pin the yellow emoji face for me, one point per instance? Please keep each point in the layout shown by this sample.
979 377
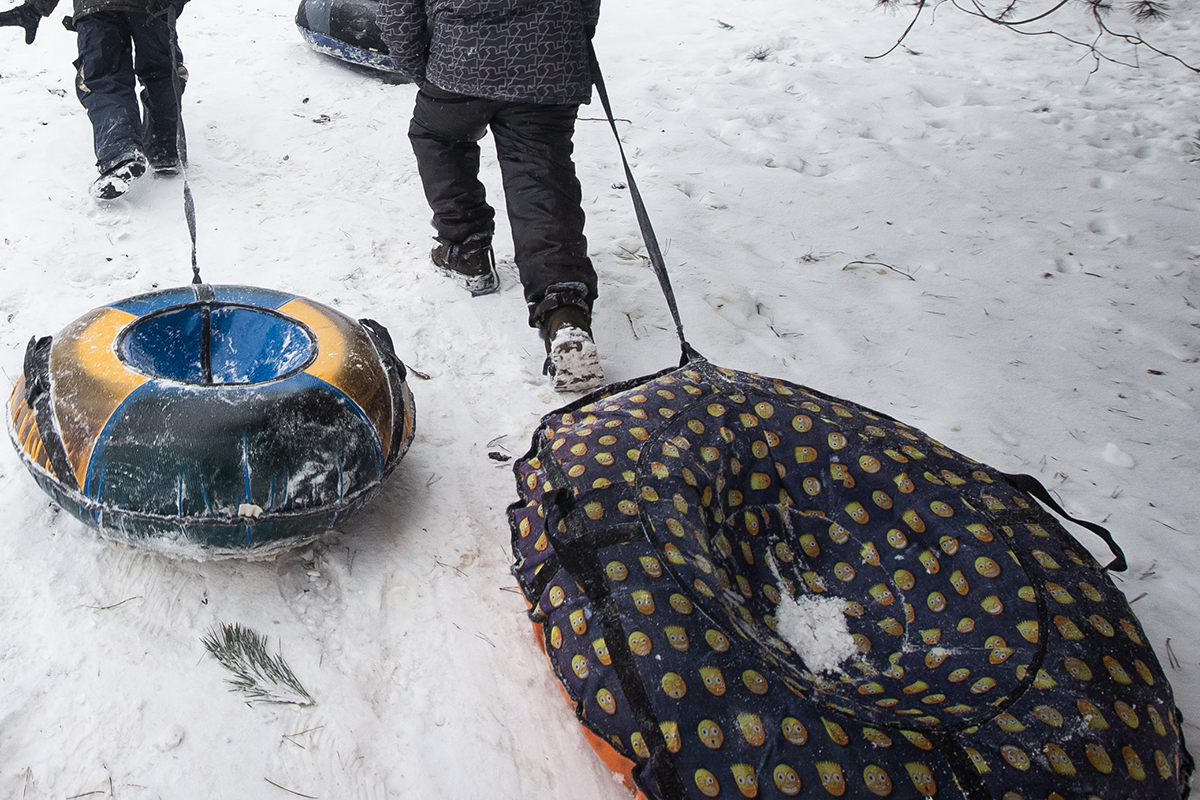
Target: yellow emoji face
786 780
1098 757
904 579
904 483
1162 765
1102 625
877 737
677 636
652 566
680 604
1091 715
936 602
747 781
706 782
1059 594
808 543
639 643
1156 720
870 554
670 732
981 532
897 539
881 499
959 582
673 685
891 626
930 562
556 637
579 666
1068 629
882 594
1048 715
941 509
987 567
1117 672
992 605
578 622
1126 713
606 701
602 652
913 520
843 572
922 778
557 596
832 778
838 534
755 682
1028 630
616 571
1059 761
1045 559
1133 764
716 640
752 728
643 601
794 731
878 782
869 464
714 681
638 743
710 733
1015 756
858 513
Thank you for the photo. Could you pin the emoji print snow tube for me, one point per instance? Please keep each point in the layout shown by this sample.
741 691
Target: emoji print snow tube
669 530
212 421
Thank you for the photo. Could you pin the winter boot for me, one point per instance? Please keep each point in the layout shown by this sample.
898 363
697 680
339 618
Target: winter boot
115 181
571 357
470 263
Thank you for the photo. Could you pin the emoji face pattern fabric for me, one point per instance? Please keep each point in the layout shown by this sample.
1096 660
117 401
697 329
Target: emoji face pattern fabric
661 526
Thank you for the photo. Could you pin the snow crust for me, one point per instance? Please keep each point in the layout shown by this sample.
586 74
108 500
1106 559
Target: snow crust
976 234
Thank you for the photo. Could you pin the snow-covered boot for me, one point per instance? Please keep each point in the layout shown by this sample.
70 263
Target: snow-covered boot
470 263
571 357
115 181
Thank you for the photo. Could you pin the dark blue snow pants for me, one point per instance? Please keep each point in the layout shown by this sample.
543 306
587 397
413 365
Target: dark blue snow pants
534 147
115 49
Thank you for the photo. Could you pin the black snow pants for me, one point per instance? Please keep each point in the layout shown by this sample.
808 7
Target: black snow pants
116 49
534 147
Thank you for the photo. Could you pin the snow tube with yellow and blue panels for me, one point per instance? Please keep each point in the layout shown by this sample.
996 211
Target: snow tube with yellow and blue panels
212 421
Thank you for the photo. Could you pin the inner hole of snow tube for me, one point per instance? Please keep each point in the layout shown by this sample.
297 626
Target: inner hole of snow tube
217 344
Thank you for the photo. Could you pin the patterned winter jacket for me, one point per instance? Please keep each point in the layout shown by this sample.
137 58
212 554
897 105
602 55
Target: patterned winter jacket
84 7
529 51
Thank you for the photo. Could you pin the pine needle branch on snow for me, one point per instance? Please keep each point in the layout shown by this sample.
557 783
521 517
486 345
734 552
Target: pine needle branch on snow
256 673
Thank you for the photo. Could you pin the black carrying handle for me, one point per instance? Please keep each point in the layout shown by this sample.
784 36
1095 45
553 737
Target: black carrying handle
639 209
37 397
1030 484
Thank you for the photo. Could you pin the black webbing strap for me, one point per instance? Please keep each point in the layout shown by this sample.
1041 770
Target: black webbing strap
37 397
1030 484
578 551
189 205
392 364
643 218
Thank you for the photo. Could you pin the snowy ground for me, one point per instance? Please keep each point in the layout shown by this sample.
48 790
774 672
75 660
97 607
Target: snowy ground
1040 228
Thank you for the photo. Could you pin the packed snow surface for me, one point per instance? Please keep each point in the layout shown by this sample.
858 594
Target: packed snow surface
979 234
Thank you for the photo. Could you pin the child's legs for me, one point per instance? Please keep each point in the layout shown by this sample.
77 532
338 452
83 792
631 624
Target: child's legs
105 86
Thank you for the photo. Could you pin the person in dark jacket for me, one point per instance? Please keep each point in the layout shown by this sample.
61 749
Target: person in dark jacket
521 68
122 42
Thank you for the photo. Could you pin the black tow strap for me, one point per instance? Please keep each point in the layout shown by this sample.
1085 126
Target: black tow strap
1031 485
643 218
37 397
189 205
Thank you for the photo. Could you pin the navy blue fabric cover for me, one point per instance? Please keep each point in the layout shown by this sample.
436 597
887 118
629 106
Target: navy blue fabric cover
996 658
